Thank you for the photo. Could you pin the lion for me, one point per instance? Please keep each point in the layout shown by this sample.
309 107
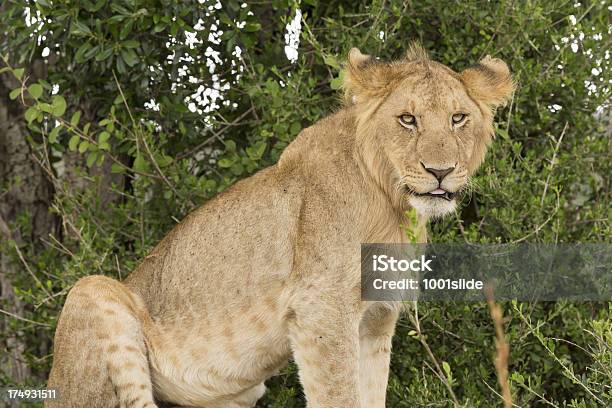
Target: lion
269 270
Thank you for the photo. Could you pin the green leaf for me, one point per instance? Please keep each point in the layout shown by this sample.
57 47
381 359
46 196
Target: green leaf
140 164
337 82
45 107
130 44
76 117
226 162
83 146
91 158
117 168
35 90
54 134
116 19
237 169
332 61
518 377
159 27
252 27
93 7
18 73
163 160
129 57
79 56
80 28
59 105
91 53
230 145
121 67
225 19
31 114
257 150
15 93
120 9
103 137
227 35
73 143
447 370
125 31
295 128
503 133
104 54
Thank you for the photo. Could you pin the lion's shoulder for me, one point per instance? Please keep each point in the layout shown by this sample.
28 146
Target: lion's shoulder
329 139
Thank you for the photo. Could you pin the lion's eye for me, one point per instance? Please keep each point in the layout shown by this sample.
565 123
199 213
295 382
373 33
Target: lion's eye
407 120
458 118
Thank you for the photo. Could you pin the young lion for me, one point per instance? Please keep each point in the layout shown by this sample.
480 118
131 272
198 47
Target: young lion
270 269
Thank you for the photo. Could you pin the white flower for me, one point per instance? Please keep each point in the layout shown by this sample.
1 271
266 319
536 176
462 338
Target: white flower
292 37
152 105
574 46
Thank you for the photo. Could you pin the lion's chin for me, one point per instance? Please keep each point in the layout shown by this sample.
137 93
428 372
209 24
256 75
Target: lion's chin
432 207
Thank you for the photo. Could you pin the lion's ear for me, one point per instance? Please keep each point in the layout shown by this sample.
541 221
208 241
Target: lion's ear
365 77
357 59
489 81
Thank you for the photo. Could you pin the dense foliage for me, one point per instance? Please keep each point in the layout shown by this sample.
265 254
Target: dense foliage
145 109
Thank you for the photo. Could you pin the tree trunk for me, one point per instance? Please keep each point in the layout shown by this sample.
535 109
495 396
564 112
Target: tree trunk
24 191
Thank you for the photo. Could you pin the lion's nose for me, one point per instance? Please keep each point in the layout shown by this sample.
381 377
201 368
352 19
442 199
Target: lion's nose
438 173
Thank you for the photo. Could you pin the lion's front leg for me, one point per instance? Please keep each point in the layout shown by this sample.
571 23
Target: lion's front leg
375 334
324 334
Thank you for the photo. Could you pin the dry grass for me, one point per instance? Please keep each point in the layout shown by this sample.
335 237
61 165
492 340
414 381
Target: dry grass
502 348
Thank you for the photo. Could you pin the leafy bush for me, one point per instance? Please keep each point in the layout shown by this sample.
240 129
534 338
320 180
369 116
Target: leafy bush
144 110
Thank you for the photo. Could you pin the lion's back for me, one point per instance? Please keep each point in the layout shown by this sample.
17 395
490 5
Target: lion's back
243 235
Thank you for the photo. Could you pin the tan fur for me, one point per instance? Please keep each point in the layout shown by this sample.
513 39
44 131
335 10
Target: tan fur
269 269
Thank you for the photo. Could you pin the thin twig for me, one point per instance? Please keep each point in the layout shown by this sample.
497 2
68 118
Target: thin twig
118 266
23 319
23 261
214 135
30 270
54 295
568 371
142 139
553 161
415 321
494 391
539 227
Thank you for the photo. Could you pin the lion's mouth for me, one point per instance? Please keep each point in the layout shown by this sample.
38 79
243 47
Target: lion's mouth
438 193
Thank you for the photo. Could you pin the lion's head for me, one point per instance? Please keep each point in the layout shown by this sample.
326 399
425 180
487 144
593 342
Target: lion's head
423 128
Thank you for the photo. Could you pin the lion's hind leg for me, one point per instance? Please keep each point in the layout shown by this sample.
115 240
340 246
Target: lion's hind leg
100 356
